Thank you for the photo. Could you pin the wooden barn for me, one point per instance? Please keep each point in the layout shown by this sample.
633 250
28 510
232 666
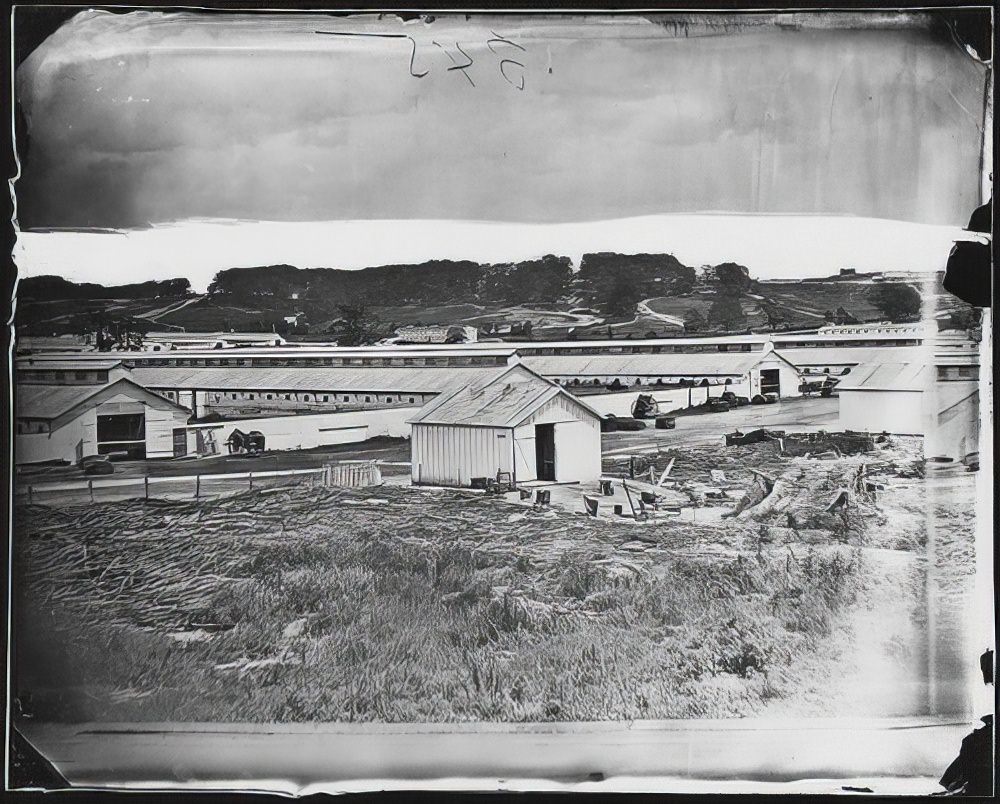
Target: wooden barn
512 421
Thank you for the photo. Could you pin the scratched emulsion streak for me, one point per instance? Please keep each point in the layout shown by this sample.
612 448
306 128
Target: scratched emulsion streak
151 118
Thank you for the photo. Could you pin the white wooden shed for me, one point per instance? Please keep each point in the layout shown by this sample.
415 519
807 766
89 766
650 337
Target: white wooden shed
512 421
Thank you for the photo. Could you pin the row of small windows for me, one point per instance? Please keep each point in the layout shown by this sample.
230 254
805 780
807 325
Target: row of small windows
61 377
221 396
32 426
461 360
684 383
958 372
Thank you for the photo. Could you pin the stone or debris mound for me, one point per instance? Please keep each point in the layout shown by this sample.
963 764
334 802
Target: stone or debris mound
821 443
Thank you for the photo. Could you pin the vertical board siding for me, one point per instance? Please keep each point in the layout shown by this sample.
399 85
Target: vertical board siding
451 455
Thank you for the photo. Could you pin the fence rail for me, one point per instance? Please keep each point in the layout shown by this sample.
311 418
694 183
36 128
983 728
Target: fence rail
163 486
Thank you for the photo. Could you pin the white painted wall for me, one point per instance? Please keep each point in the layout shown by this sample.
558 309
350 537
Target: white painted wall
309 430
788 377
900 412
60 444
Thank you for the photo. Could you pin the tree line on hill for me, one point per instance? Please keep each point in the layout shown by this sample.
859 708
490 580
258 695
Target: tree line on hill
49 287
613 282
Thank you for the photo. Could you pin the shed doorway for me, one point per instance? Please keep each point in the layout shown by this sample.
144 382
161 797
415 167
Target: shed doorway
545 451
770 381
122 435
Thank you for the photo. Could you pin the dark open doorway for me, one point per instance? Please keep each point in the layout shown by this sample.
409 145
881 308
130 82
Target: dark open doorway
770 382
545 451
122 435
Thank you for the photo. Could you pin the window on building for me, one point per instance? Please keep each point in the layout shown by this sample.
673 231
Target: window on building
326 397
269 396
347 398
305 397
388 399
288 396
368 399
252 396
412 399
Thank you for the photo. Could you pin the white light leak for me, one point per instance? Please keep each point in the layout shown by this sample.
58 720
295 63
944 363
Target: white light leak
771 247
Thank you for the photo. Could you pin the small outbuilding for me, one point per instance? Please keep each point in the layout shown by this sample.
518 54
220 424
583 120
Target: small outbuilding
513 420
886 397
67 422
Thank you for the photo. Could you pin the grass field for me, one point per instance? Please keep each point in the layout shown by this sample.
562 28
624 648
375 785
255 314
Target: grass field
400 604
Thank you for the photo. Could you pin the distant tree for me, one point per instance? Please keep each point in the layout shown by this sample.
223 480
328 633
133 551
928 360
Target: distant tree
897 301
844 317
357 327
622 297
773 314
694 321
733 275
965 318
726 311
118 334
828 316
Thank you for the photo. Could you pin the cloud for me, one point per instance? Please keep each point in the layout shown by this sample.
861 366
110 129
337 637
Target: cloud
171 116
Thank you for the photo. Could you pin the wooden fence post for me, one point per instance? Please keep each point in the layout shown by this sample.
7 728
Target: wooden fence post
145 483
250 477
197 486
29 496
90 485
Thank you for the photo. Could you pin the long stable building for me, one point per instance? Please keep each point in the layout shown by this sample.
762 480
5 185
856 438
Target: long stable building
266 380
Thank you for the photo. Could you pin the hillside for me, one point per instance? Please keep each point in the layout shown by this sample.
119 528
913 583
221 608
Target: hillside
610 295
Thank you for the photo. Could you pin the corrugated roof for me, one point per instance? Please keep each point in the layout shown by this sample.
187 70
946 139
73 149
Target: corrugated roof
49 401
826 355
390 379
52 401
887 377
504 400
29 364
705 363
201 336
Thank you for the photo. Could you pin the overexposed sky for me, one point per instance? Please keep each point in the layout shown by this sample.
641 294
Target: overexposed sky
771 246
146 117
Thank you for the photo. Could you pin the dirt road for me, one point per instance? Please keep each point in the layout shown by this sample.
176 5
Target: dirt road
800 415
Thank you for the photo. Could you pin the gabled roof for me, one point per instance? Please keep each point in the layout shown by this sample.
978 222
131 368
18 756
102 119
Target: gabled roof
32 364
833 355
911 376
57 401
679 364
381 379
503 400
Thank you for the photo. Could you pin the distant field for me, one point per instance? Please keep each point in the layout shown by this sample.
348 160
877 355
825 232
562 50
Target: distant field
412 313
44 317
816 298
207 315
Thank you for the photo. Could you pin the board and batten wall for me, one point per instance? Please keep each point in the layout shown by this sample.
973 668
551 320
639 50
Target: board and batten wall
451 455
